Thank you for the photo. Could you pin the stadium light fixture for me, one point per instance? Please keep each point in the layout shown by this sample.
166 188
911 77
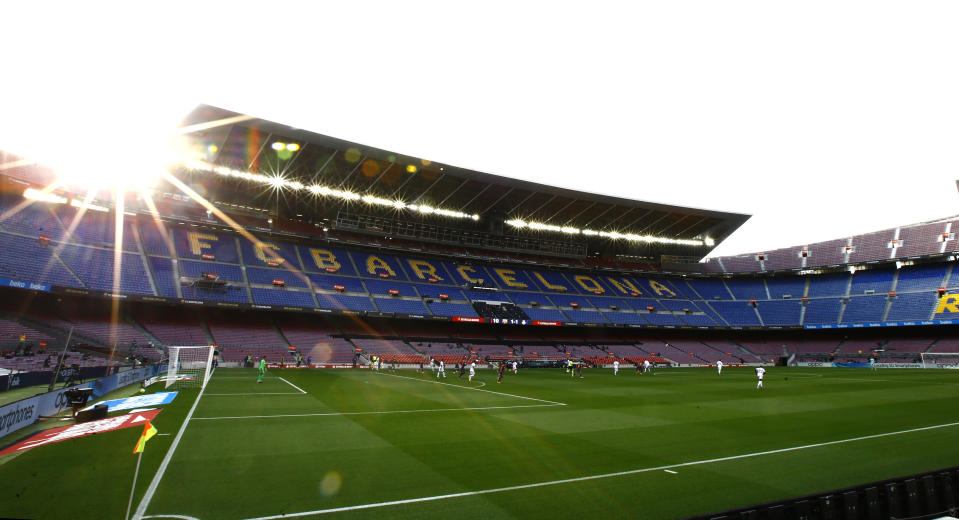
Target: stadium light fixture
615 235
279 182
77 203
43 196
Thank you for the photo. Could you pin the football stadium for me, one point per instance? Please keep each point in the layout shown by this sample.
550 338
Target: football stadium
284 324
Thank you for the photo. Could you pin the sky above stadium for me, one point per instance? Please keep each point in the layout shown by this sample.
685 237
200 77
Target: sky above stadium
821 119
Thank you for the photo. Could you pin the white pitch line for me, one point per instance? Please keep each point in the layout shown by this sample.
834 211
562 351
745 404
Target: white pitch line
596 477
670 471
294 386
181 517
262 393
477 389
383 412
148 496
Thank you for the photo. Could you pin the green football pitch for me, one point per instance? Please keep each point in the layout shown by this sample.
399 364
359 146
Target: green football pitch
358 444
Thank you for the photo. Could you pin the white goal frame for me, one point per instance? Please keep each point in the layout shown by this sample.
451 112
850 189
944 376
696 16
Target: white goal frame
929 360
189 363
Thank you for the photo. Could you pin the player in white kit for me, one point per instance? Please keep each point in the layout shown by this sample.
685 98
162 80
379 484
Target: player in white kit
442 370
645 366
719 367
432 365
472 370
759 373
515 367
615 367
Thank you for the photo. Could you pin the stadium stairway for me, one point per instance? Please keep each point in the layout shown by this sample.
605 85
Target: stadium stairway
61 333
56 254
280 332
142 330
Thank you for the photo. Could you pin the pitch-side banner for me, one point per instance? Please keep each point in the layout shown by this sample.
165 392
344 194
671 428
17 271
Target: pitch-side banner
137 401
66 433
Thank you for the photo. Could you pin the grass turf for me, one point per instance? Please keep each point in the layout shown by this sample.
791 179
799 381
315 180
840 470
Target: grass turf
356 437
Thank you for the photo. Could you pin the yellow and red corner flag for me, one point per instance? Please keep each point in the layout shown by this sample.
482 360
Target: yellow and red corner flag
148 431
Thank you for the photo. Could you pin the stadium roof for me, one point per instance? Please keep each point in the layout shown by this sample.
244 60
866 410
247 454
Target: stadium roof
245 143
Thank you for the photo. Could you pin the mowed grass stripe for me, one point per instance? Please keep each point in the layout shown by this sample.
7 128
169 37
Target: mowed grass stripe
597 477
610 425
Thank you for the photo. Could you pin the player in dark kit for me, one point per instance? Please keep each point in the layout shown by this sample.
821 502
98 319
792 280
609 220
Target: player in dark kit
502 368
461 368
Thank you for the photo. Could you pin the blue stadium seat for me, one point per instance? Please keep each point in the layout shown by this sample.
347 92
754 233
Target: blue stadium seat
163 276
780 312
662 318
342 301
26 259
586 316
876 280
326 282
383 287
828 285
540 314
227 272
710 289
913 306
794 286
865 308
452 309
266 276
153 239
738 313
95 268
282 297
822 311
31 220
401 306
921 278
434 291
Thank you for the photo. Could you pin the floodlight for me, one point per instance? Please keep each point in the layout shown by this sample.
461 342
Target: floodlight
292 147
278 146
411 168
76 203
34 194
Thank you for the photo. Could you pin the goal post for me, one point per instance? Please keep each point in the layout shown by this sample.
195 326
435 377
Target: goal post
940 360
189 367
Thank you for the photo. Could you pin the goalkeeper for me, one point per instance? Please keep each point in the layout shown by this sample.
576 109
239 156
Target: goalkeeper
259 378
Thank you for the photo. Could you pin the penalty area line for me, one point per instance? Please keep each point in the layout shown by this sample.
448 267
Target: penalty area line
294 386
383 412
596 477
477 389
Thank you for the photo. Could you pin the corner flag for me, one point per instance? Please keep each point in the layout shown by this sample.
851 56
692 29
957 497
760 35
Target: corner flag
148 432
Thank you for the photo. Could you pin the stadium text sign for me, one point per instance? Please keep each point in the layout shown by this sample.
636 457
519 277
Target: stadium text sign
949 303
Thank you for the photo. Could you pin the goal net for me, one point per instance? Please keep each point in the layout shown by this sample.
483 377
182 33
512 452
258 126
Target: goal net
940 360
189 367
